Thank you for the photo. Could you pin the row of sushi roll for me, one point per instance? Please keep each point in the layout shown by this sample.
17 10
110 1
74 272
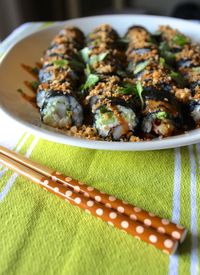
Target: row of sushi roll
113 112
59 80
161 112
123 88
185 57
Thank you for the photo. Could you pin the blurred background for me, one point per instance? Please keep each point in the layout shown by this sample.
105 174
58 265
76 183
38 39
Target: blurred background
15 12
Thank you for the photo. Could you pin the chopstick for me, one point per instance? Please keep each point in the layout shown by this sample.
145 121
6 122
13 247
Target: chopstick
137 229
176 231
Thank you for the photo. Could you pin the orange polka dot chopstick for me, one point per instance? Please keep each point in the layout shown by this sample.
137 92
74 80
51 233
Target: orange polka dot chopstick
164 226
140 231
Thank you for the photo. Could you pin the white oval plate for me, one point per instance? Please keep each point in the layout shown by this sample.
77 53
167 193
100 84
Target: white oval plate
30 49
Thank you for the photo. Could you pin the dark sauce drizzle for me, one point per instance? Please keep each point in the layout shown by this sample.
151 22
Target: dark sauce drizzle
33 71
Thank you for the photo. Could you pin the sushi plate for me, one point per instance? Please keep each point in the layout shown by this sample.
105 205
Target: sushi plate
30 49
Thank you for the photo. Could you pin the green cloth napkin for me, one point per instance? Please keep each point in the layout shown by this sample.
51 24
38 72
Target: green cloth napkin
42 234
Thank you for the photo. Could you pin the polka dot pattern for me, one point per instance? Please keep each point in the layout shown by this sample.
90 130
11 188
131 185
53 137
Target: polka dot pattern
120 209
46 182
137 209
153 238
133 217
97 198
56 189
99 212
90 203
124 224
90 188
118 205
147 222
168 243
53 178
161 230
164 221
128 218
76 188
77 200
139 229
68 179
111 198
151 214
58 173
176 235
68 193
113 215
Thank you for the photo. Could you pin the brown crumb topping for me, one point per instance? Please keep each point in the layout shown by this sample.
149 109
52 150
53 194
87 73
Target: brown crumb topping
183 95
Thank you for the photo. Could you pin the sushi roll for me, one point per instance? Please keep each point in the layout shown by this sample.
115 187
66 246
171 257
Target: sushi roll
187 62
63 55
114 120
144 62
60 107
114 114
161 115
172 40
70 35
102 54
59 79
103 34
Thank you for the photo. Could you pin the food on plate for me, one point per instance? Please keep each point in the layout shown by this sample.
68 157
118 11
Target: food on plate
137 87
59 80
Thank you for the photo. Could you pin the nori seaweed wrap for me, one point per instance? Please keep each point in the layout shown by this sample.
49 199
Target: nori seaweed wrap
161 115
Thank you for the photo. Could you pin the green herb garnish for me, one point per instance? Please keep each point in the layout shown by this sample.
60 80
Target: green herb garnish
180 40
92 79
161 61
141 66
139 92
177 77
163 47
87 70
157 33
107 118
103 109
196 69
96 42
35 85
127 89
121 73
123 40
85 54
60 63
20 90
35 70
166 53
152 40
161 115
97 58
